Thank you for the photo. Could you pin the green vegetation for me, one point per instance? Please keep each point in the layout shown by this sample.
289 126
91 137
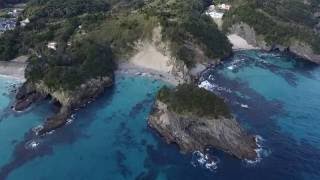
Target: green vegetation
280 22
92 34
186 99
70 66
184 23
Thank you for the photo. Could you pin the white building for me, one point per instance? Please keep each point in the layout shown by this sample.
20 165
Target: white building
52 45
24 22
224 6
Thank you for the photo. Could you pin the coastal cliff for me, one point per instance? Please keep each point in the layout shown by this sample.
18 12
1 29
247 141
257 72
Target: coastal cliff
76 45
68 100
281 25
195 119
299 48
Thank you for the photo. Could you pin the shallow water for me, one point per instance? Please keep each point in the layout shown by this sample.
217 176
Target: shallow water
272 95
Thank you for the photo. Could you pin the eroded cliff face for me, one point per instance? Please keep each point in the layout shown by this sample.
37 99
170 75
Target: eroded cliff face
156 54
299 48
69 100
249 34
193 133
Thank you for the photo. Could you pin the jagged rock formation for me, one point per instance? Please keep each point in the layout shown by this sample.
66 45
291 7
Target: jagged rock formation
193 133
274 24
195 119
69 100
299 48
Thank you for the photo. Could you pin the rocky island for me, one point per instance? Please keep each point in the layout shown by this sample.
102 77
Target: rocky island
196 119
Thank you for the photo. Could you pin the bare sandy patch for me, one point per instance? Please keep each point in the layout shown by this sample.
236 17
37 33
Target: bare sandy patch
14 68
151 58
239 43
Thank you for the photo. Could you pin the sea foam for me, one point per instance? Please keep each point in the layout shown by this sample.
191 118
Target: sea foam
213 87
32 144
204 160
260 150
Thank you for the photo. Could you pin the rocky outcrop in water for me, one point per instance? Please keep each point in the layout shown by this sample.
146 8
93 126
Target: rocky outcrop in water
191 132
31 92
299 48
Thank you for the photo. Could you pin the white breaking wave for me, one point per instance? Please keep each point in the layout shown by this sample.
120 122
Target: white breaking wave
31 144
204 160
71 119
231 67
207 85
50 132
244 106
37 129
261 151
211 87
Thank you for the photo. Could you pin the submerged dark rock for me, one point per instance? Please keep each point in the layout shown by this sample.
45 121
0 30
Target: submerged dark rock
191 132
26 96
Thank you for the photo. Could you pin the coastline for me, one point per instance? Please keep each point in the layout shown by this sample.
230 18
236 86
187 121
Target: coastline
151 62
239 43
14 69
132 69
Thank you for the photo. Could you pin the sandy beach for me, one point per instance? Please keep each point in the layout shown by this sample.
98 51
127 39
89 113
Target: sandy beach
132 69
239 43
150 62
14 68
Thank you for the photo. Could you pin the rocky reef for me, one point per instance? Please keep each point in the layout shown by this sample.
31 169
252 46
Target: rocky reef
31 92
198 130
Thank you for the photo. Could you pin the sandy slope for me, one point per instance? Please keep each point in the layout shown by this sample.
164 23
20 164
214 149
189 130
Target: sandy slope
239 43
151 58
151 61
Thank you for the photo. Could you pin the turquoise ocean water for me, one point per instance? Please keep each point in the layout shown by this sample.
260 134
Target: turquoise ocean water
274 96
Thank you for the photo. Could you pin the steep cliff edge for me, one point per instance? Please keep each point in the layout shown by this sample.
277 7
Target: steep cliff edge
207 123
297 47
273 24
69 100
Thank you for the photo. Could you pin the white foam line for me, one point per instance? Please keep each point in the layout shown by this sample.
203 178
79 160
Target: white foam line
204 160
259 150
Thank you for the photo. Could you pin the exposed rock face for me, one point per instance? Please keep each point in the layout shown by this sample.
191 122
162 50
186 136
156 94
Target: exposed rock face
192 133
26 96
304 51
249 34
299 48
69 100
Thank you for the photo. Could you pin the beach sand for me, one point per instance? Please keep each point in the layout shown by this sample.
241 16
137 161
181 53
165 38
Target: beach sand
133 69
149 61
14 68
239 43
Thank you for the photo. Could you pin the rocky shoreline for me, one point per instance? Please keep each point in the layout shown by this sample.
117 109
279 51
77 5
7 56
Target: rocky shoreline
298 48
192 132
30 93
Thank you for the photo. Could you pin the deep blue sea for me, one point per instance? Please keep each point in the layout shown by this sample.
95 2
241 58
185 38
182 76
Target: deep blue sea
272 95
